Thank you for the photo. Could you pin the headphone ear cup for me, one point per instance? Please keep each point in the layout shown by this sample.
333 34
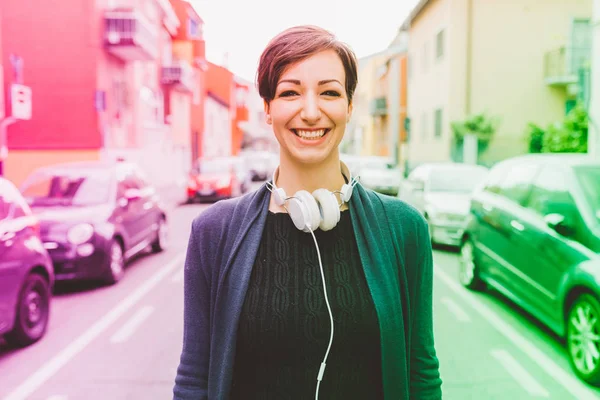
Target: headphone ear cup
328 207
312 209
298 213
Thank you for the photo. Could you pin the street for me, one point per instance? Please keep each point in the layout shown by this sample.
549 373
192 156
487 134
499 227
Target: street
124 341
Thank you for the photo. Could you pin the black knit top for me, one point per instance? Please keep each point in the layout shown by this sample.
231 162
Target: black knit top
284 326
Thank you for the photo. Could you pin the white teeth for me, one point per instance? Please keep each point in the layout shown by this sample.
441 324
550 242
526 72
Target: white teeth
310 134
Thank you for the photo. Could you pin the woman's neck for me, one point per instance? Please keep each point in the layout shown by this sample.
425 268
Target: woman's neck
293 177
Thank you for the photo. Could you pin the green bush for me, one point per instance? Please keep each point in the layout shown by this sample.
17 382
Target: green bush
569 136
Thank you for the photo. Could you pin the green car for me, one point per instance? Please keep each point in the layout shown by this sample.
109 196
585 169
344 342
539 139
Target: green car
533 234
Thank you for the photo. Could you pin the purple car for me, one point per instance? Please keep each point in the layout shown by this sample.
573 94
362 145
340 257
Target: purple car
95 216
26 274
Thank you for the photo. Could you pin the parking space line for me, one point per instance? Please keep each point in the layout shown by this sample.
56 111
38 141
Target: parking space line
455 309
178 276
519 373
51 367
569 382
130 326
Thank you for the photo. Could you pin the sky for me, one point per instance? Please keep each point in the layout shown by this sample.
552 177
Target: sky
242 28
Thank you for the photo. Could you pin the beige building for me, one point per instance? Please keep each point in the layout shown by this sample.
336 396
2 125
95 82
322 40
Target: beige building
517 61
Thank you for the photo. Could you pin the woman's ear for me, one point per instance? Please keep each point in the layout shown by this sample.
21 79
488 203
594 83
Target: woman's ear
267 112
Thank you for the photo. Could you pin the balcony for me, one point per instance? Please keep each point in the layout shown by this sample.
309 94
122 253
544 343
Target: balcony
378 106
562 66
129 36
179 75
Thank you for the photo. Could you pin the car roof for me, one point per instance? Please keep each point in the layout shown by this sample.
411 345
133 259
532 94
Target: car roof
568 159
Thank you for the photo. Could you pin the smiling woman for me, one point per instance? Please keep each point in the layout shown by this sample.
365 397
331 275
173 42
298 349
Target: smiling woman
267 314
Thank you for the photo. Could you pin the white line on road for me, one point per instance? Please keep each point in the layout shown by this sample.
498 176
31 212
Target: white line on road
134 322
58 397
51 367
568 381
519 373
455 309
178 276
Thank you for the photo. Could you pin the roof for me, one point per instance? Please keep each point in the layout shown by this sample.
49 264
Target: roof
414 13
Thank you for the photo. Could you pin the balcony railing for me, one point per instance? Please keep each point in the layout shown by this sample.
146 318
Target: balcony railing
378 106
562 65
129 36
180 75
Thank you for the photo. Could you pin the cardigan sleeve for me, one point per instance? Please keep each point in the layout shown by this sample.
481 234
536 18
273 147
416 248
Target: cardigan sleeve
425 381
191 382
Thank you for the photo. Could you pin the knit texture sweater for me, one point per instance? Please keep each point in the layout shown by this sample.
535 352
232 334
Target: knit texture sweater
284 326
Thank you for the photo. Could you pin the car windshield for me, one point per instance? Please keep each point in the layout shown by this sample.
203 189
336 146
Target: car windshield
72 187
589 179
457 180
213 166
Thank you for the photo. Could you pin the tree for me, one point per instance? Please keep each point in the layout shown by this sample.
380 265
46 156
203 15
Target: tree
481 125
569 136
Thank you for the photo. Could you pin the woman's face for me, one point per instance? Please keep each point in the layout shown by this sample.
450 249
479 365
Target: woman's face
310 108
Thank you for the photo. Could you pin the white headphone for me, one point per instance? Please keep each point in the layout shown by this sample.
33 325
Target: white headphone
317 210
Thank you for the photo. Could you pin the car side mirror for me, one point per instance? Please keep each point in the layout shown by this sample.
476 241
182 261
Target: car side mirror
560 224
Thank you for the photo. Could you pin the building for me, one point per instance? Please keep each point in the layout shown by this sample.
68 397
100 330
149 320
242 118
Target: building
189 48
105 84
517 61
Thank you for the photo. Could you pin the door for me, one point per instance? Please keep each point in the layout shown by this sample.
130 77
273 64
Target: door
545 255
130 211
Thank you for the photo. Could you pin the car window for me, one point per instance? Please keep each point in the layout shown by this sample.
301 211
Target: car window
550 193
589 179
452 179
516 183
5 205
12 204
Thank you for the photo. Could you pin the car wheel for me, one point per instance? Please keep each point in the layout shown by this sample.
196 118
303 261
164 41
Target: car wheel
33 310
583 338
116 268
162 237
468 273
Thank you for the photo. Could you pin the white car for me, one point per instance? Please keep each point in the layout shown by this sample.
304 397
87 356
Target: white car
442 192
380 174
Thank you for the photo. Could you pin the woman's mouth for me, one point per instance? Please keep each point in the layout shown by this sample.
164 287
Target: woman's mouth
310 135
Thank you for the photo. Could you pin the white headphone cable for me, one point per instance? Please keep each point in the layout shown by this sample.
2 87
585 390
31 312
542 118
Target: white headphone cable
323 364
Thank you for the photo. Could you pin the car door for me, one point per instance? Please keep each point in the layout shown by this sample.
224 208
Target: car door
500 238
544 255
129 211
14 251
149 210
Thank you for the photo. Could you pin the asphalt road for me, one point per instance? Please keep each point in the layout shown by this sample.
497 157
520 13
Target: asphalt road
123 342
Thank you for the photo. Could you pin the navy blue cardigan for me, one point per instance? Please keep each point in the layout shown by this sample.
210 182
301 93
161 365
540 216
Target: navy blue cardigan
395 252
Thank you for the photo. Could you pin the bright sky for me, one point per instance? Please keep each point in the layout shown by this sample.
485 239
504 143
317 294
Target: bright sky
244 27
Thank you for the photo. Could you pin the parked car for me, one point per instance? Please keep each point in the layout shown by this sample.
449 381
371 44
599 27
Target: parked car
95 216
217 178
26 274
534 235
442 193
379 174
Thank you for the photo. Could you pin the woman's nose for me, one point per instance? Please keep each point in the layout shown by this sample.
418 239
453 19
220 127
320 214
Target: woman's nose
310 109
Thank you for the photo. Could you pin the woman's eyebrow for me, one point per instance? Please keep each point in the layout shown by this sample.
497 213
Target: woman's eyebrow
297 82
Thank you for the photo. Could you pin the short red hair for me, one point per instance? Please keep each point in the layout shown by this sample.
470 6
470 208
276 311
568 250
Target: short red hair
296 44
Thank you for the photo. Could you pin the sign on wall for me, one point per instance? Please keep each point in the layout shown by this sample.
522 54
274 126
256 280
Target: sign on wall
20 97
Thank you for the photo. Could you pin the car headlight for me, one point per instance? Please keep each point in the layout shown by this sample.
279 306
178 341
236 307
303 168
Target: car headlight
80 233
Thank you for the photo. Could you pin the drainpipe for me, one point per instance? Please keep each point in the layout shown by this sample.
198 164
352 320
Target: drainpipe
470 145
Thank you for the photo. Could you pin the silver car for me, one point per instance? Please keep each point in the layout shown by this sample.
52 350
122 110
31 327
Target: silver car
442 192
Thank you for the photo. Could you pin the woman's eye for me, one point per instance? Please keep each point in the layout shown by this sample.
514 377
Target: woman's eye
331 93
287 93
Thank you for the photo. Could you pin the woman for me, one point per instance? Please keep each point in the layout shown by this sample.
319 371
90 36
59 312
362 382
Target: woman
266 274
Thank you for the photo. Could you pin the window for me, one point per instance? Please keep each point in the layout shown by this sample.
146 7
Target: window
550 193
439 45
588 178
517 183
194 29
438 123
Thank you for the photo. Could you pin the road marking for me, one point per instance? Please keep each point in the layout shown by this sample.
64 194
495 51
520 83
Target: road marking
178 276
455 309
519 373
568 381
46 371
58 397
134 322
